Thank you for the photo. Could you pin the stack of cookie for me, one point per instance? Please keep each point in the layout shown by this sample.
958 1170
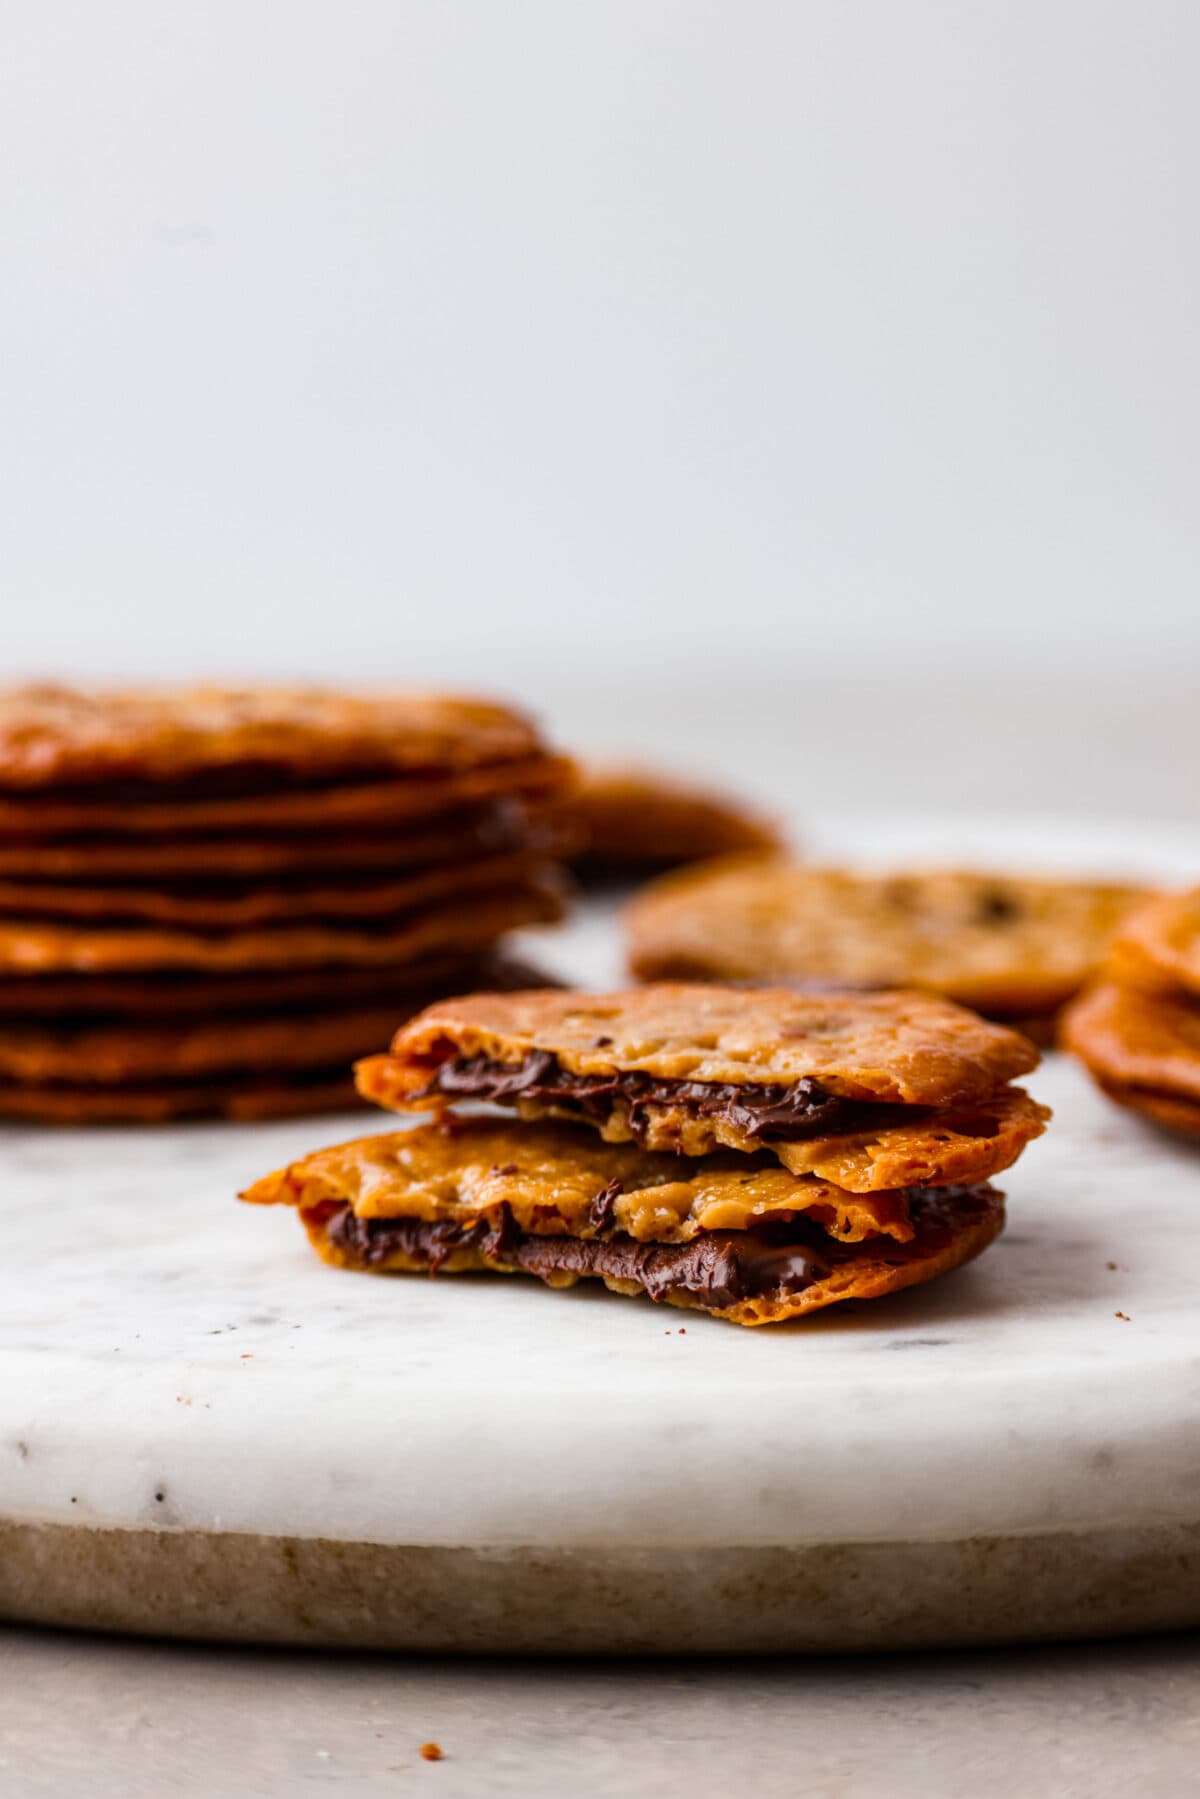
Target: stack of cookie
1137 1030
198 885
750 1154
1013 948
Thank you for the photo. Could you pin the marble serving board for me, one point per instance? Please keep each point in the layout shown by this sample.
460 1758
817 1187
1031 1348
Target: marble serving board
205 1431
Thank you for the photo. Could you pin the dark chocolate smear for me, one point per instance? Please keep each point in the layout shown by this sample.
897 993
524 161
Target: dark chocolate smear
718 1268
772 1112
602 1212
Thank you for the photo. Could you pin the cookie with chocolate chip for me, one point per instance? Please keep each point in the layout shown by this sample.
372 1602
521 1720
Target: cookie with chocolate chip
1014 948
736 1237
865 1087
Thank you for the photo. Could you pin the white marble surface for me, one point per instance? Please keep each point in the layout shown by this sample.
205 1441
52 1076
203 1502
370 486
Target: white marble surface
170 1359
167 1358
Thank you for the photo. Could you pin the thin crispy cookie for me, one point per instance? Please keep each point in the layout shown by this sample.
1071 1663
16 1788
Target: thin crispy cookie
132 1054
240 1099
64 736
33 948
1137 1040
952 1226
559 1179
240 908
1007 946
192 994
288 811
1158 946
1179 1116
93 860
898 1048
622 817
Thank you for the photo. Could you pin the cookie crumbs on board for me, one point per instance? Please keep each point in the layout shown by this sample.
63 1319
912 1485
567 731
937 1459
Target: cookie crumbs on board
1124 1316
431 1752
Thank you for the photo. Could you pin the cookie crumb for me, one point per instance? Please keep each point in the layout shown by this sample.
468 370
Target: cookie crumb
1123 1315
1111 1266
431 1752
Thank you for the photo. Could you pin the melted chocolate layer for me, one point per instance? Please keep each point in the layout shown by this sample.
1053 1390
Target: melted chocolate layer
717 1269
774 1112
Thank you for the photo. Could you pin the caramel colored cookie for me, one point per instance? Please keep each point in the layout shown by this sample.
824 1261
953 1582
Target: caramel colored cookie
240 908
489 830
289 811
199 995
742 1240
895 1048
629 817
241 1099
459 1210
958 1146
1158 945
558 1178
28 947
1008 947
1143 1049
133 1054
52 736
1179 1116
726 1274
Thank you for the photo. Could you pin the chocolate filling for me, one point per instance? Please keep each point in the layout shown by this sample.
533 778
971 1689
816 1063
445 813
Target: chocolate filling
716 1269
774 1112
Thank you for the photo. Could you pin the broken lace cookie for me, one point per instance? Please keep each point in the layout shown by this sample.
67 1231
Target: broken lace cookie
737 1237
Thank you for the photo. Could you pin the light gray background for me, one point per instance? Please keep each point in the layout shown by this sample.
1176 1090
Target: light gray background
544 343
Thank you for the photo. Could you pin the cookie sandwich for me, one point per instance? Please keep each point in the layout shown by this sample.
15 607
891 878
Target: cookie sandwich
751 1154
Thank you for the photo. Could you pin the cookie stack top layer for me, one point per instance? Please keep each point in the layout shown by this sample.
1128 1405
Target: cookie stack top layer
53 736
219 852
